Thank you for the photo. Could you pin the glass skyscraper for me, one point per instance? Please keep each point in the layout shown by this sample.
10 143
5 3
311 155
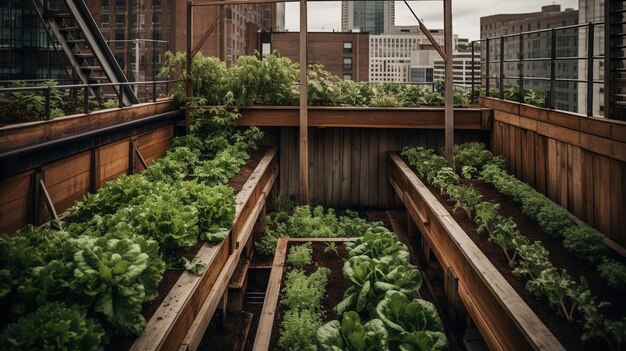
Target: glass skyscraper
374 17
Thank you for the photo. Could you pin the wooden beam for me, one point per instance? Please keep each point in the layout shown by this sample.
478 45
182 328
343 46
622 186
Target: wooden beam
208 33
188 81
428 35
304 124
449 84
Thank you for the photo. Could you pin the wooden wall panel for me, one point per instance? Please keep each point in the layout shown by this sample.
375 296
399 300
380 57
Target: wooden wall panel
578 162
14 202
69 179
348 166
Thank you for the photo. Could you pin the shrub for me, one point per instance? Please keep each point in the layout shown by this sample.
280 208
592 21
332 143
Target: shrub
585 242
614 273
300 255
553 220
533 203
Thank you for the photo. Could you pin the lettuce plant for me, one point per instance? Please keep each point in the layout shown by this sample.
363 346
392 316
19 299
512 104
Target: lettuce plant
54 326
352 335
412 325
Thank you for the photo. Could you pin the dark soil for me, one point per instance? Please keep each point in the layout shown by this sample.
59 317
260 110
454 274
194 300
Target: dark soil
230 336
171 276
568 333
335 288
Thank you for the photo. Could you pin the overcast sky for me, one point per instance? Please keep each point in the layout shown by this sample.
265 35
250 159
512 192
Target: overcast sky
466 14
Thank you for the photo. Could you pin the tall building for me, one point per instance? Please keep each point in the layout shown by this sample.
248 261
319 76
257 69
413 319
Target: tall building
462 74
399 56
27 52
374 17
345 55
591 11
278 24
536 46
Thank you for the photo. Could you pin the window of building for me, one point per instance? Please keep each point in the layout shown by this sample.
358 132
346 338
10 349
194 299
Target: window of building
120 3
105 5
347 47
156 19
347 77
119 37
105 21
347 63
119 20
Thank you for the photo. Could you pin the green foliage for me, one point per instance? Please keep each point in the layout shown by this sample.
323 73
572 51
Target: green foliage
504 234
298 330
305 292
554 220
476 157
614 273
412 325
465 197
53 326
331 247
425 161
311 222
300 255
110 103
445 178
112 272
385 100
380 243
559 289
283 203
533 259
352 335
487 217
584 242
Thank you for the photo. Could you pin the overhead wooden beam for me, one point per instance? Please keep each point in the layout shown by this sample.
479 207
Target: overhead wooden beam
427 33
449 83
304 123
208 33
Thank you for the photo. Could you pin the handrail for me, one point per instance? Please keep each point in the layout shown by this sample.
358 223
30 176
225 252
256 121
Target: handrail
518 57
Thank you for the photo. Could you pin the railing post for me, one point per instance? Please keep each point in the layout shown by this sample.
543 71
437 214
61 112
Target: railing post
86 100
473 88
552 67
487 59
47 106
590 47
521 69
121 101
502 67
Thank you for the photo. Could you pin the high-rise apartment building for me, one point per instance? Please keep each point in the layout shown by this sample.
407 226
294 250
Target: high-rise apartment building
591 11
373 17
536 46
401 57
462 73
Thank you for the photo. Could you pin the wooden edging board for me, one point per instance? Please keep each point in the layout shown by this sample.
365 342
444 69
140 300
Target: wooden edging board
266 320
168 327
471 118
504 319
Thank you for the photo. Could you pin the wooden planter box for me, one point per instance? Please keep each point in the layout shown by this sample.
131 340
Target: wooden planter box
266 321
503 318
182 318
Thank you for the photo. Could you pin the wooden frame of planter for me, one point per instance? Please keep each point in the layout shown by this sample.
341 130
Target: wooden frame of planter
503 318
266 320
182 318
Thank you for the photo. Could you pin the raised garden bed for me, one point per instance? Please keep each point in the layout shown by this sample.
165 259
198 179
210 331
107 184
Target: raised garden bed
504 319
183 315
269 323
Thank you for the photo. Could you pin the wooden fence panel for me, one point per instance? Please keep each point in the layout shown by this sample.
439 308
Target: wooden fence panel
577 162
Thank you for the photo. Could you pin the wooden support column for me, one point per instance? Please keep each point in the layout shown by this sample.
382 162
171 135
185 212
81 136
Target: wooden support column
188 82
304 124
449 85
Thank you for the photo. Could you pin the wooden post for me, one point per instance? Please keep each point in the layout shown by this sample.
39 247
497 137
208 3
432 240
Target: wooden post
188 82
304 124
449 85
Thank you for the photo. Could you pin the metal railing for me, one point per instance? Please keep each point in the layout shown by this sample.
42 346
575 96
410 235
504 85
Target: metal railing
86 88
523 76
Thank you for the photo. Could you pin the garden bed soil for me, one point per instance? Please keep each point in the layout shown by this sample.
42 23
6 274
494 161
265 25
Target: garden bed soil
229 337
568 333
171 276
335 287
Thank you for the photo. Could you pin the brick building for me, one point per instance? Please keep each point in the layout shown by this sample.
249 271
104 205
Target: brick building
343 54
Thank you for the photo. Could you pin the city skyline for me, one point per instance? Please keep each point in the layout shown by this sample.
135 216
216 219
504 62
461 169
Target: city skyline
326 16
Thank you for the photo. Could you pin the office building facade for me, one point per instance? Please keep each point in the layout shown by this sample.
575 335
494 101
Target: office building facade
374 17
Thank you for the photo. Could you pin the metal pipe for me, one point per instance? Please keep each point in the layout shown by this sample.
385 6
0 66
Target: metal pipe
521 69
501 83
552 67
590 47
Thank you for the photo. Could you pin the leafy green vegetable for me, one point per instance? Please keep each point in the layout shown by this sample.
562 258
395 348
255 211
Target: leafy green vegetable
298 330
300 255
305 292
352 335
614 273
54 326
585 242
